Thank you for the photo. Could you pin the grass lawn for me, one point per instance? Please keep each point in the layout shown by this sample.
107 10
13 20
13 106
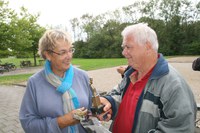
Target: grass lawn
94 64
85 64
13 79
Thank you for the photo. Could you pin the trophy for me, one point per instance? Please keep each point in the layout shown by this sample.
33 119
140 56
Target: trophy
97 107
92 124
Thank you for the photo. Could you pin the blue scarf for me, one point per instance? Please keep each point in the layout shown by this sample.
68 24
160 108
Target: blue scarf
64 86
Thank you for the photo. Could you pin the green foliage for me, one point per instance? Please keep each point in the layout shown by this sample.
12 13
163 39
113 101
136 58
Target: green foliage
176 22
192 49
105 43
177 28
6 15
19 34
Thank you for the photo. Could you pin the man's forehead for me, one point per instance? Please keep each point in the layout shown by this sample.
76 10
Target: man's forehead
128 38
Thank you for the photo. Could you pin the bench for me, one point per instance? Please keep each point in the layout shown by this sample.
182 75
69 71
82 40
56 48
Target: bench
2 70
41 62
25 63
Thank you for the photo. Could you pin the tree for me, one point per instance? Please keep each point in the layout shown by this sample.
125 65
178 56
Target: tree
6 15
75 27
176 23
27 33
19 34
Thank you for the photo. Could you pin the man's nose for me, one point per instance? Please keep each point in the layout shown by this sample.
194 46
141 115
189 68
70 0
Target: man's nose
124 52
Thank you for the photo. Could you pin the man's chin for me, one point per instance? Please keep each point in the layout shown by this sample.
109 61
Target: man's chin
129 64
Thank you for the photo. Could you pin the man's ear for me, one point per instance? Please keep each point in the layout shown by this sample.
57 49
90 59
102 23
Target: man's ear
148 45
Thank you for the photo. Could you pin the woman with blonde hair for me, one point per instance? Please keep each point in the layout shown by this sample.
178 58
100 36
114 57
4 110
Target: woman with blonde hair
55 94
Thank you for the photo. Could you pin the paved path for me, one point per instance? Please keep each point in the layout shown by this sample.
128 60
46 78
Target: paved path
104 80
10 99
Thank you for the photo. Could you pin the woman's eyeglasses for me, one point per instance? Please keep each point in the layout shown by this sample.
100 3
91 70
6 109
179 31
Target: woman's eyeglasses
61 53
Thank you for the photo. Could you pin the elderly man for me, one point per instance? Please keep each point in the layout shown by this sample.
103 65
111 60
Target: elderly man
152 97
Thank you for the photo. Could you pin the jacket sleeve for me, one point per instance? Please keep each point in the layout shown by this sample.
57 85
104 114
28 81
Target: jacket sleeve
31 120
179 108
115 96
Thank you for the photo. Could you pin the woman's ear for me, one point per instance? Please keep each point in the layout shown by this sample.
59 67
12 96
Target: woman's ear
47 55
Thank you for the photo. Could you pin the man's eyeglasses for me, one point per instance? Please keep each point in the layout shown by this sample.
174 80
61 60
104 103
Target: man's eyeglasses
61 53
126 46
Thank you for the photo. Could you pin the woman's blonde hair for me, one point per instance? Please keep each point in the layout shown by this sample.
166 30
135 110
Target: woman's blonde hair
49 39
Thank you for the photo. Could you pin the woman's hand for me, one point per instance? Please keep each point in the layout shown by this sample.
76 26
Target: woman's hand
80 114
70 119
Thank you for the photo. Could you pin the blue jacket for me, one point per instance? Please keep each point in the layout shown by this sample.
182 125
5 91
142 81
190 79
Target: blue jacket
166 104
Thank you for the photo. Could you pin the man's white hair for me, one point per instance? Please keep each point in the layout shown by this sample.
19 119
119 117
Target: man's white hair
142 34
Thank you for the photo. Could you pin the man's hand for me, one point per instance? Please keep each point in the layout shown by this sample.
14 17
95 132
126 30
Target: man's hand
121 70
106 115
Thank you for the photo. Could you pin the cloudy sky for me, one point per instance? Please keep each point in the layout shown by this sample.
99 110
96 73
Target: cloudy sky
56 12
59 12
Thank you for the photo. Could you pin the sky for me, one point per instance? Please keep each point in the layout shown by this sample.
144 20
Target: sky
59 12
